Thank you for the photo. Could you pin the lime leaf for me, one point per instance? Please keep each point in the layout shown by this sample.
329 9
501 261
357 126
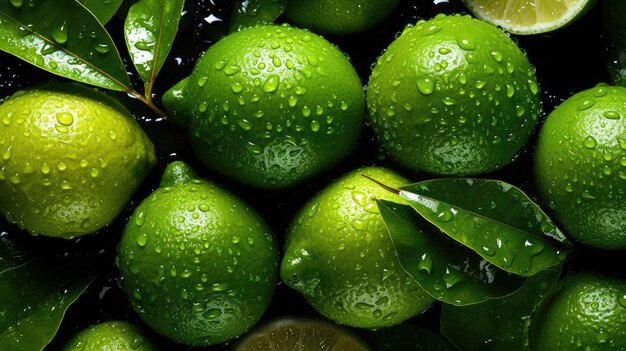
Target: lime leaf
12 253
495 219
250 13
35 296
70 42
446 270
407 337
498 325
104 10
150 28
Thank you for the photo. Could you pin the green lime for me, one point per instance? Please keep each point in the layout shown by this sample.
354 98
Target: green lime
71 159
615 30
338 17
530 16
453 96
339 255
270 106
198 264
113 336
300 334
585 312
580 166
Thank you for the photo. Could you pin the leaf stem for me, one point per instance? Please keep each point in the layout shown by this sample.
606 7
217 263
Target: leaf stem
148 101
382 185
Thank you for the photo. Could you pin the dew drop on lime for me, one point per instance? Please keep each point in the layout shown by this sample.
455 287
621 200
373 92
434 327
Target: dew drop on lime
590 142
17 3
425 85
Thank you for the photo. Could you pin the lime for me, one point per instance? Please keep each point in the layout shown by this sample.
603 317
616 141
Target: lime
339 255
113 335
529 16
580 166
338 17
615 30
300 334
453 96
71 159
270 106
198 265
584 311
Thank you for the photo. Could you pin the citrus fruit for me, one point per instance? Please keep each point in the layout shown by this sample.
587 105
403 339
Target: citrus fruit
529 16
198 265
270 106
339 255
453 96
300 334
580 166
615 30
585 311
338 17
113 335
71 159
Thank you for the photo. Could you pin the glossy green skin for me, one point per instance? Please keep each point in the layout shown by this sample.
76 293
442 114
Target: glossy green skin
453 96
583 312
615 30
583 180
110 336
72 158
339 255
198 265
339 17
242 124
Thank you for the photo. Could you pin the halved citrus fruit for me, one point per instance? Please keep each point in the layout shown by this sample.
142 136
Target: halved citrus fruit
301 334
529 16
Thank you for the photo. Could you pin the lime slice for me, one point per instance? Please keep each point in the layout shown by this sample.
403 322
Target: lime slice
300 334
529 16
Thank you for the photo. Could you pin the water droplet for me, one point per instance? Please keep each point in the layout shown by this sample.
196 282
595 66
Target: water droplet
425 85
65 118
213 313
602 337
60 34
621 299
585 105
466 44
17 3
496 56
445 215
612 114
102 48
271 84
254 148
140 219
236 87
231 70
590 142
142 240
425 263
488 251
315 126
451 278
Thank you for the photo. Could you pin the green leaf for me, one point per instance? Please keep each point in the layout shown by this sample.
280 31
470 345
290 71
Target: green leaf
150 28
495 219
104 10
250 13
35 296
446 270
498 325
64 38
406 337
12 253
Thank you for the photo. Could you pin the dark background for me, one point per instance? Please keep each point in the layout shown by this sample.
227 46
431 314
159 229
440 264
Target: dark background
568 60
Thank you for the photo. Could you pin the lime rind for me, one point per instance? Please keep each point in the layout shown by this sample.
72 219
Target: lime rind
547 16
